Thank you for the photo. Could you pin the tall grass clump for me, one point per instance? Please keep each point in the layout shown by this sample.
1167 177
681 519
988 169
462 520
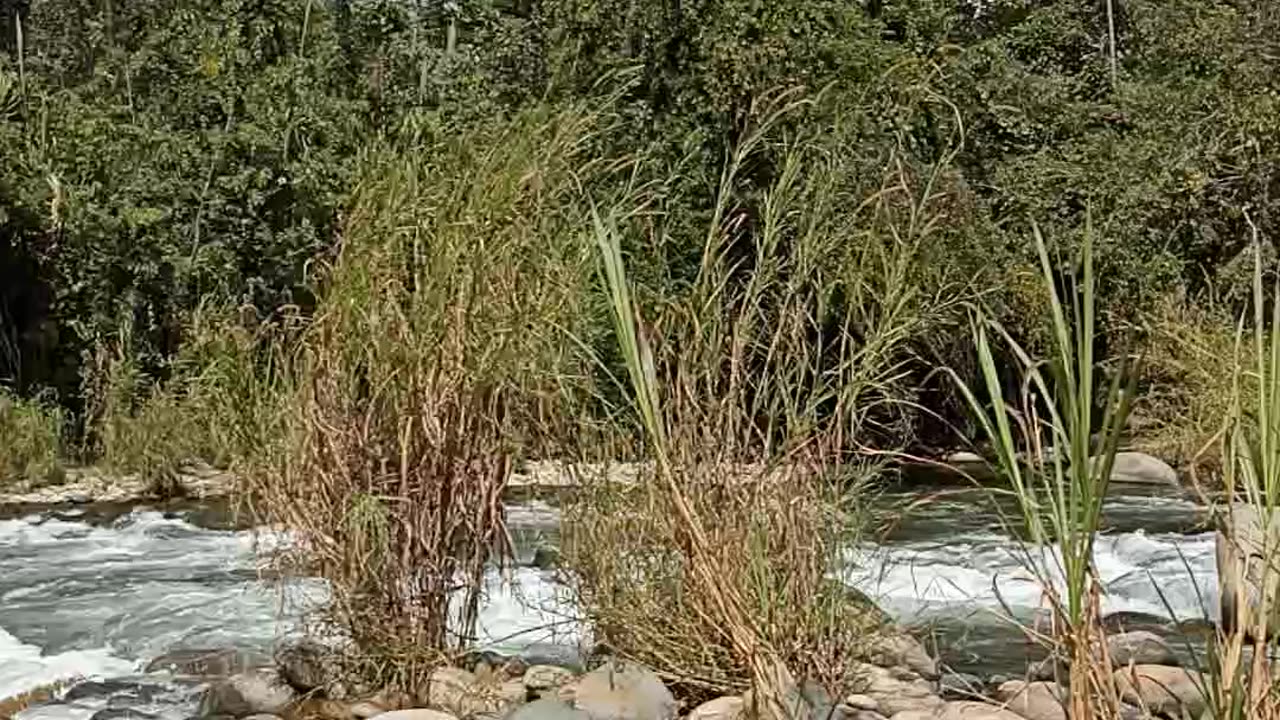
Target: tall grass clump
752 387
434 357
216 402
1043 441
31 441
1244 676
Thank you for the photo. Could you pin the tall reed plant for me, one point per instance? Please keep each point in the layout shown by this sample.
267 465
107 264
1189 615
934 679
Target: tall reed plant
1043 439
1244 676
754 386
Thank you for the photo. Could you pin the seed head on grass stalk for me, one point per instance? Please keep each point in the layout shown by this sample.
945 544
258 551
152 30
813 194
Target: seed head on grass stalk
1058 482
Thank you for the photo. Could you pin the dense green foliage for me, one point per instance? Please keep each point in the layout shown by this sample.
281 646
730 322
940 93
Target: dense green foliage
156 156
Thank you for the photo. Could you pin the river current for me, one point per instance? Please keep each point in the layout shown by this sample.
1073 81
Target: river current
98 593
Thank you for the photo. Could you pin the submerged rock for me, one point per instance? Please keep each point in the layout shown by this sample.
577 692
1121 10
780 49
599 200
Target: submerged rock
260 691
620 690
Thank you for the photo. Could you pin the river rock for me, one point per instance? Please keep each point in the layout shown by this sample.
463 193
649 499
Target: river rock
960 686
1136 467
620 690
893 694
1162 690
729 707
1139 647
124 713
366 709
1241 549
206 663
898 649
1034 700
416 714
546 677
464 694
307 665
547 709
260 691
974 710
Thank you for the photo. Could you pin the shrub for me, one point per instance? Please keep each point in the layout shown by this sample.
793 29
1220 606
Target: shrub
31 432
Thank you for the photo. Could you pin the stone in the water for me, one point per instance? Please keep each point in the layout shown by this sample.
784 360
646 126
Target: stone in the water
262 716
1034 701
1162 689
1139 647
251 693
206 663
729 707
547 709
620 690
1137 467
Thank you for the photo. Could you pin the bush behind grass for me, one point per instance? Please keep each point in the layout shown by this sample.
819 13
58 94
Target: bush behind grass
31 441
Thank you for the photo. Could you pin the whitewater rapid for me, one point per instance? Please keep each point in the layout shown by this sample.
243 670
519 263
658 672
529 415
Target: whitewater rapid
86 597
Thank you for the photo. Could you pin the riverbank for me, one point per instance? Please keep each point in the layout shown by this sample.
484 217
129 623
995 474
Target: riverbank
200 482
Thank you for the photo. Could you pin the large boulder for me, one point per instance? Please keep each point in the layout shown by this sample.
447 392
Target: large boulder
1141 468
1034 700
621 690
1162 690
1243 546
259 691
1139 647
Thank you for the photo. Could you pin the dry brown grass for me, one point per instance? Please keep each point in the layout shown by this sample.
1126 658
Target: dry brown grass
434 357
11 706
754 391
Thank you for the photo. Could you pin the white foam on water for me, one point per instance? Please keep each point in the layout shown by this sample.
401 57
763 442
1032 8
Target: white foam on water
1164 575
24 667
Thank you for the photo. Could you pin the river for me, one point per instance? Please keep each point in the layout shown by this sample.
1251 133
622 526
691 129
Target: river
99 592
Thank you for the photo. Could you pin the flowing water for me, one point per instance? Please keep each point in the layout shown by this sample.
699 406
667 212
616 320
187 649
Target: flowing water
99 593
